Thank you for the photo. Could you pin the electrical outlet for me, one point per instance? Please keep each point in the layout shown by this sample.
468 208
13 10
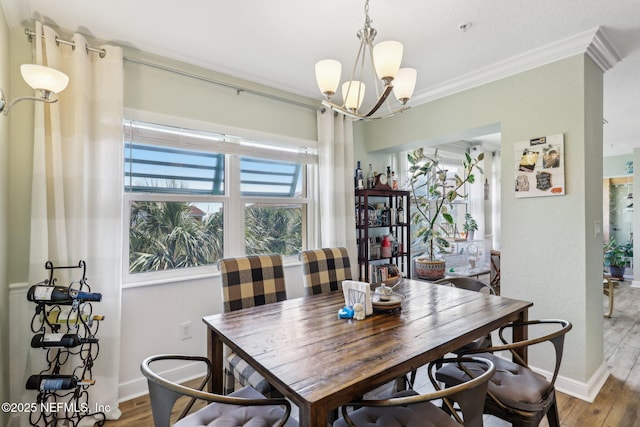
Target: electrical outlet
185 330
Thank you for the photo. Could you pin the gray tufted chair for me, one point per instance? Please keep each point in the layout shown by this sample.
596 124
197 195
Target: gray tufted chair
516 393
244 407
407 408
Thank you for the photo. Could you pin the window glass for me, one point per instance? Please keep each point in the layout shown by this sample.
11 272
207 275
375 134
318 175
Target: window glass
153 168
165 235
273 228
270 178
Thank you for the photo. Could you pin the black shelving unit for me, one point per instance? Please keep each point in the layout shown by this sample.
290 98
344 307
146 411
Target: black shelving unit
369 227
55 407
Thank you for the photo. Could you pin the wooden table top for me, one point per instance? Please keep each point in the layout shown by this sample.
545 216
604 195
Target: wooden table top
320 361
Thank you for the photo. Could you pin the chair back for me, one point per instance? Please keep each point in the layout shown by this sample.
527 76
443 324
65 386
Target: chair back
324 269
244 407
556 338
164 393
252 280
410 408
468 283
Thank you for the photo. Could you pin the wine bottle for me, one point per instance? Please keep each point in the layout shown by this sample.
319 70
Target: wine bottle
394 181
55 382
371 177
60 340
384 215
70 316
60 295
400 213
359 177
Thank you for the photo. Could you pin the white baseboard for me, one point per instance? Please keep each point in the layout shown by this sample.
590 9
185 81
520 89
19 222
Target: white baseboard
138 387
583 391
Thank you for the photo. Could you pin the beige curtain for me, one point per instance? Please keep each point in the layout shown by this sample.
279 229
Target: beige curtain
336 199
77 192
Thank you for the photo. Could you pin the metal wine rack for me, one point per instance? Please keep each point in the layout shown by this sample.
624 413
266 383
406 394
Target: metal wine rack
67 407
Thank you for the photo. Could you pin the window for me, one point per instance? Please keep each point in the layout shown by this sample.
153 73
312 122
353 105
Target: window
190 194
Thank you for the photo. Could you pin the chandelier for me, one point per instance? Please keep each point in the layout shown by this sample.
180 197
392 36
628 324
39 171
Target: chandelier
385 58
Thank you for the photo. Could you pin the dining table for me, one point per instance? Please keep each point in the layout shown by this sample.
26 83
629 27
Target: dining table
320 361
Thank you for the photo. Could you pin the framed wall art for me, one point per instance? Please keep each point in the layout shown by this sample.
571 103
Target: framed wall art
539 167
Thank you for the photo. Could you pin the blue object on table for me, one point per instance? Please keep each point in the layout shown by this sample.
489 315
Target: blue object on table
345 313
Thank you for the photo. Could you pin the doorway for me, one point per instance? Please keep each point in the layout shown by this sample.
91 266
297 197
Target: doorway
618 212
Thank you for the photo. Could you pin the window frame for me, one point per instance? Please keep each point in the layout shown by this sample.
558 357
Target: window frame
233 202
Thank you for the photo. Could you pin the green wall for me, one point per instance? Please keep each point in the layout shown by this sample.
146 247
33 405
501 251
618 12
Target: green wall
550 255
615 166
20 161
160 91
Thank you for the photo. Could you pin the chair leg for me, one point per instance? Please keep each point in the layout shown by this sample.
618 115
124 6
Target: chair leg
608 290
402 383
229 383
552 415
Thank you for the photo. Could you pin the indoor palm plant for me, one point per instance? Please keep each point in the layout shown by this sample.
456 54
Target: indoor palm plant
433 193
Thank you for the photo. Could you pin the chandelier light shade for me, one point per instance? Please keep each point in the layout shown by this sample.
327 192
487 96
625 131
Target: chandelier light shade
328 73
46 80
404 84
385 59
353 94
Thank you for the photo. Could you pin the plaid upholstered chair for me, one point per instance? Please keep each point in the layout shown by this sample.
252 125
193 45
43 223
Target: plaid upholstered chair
324 269
265 275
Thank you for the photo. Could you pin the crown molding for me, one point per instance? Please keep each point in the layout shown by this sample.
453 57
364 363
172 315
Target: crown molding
592 42
602 51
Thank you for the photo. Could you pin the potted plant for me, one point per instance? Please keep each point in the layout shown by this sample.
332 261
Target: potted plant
615 257
433 194
470 225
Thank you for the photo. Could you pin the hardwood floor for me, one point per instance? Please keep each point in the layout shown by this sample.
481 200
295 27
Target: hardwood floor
617 404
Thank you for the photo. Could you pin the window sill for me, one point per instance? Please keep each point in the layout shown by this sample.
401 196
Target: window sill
161 278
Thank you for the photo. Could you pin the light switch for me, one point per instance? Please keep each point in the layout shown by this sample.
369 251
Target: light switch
597 228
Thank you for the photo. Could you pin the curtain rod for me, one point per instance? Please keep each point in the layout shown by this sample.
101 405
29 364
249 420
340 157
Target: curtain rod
31 34
238 89
102 52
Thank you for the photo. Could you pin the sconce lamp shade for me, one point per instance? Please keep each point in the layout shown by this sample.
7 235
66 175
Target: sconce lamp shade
387 57
353 94
328 73
44 78
404 84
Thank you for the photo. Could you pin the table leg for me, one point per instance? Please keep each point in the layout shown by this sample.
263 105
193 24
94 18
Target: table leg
521 333
313 417
214 351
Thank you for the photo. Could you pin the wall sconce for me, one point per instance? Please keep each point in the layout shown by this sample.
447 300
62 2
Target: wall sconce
46 80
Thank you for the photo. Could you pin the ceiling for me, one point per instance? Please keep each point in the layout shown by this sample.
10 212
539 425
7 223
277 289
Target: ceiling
277 42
